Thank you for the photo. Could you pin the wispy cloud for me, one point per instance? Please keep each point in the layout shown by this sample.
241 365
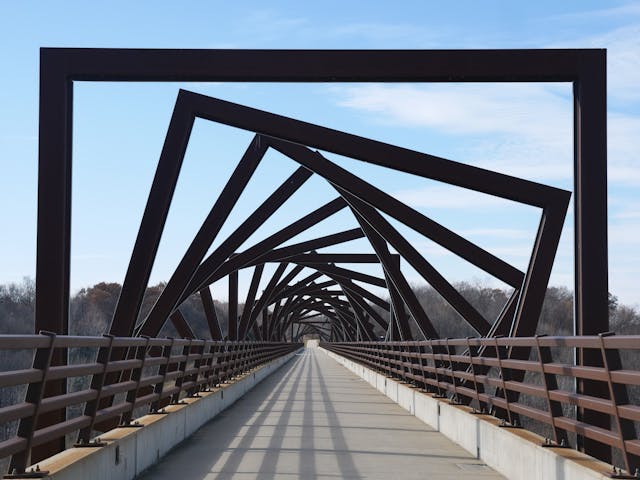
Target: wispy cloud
519 129
18 138
91 256
464 109
624 233
625 210
274 27
504 233
623 56
444 197
522 130
626 10
386 32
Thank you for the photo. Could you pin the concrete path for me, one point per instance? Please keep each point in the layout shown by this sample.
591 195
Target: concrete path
315 419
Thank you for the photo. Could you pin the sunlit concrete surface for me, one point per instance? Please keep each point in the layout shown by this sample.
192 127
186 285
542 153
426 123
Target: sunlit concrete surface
315 419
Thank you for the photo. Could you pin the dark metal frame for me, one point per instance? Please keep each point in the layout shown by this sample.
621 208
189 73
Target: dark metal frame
349 319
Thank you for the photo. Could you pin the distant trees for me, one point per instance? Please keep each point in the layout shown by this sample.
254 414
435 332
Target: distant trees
17 307
91 309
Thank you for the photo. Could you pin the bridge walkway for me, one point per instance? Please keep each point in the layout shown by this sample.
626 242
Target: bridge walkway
315 419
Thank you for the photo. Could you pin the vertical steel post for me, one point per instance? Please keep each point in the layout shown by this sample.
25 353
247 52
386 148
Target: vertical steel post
233 306
54 224
35 393
591 257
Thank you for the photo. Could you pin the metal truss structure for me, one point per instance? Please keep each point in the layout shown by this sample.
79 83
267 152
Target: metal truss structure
310 292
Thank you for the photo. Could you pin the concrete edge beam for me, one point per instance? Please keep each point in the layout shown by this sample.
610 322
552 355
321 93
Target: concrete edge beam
131 450
515 453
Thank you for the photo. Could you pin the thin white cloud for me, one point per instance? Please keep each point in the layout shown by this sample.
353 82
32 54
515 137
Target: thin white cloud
465 109
519 129
624 234
385 32
516 251
504 233
625 210
624 148
626 10
448 198
526 130
91 256
623 58
18 138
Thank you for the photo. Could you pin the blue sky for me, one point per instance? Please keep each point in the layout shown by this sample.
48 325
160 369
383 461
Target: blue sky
523 129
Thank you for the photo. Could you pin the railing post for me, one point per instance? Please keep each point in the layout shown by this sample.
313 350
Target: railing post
207 349
436 365
224 365
193 392
421 352
136 376
244 365
503 379
619 395
452 372
35 392
216 362
182 367
162 371
404 359
550 383
97 384
478 388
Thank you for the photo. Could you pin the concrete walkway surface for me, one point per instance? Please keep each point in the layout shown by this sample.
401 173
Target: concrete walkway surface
315 419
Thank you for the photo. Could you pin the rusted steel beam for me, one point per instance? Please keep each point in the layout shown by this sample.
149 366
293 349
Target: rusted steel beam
288 232
210 314
284 253
251 297
417 261
265 298
182 326
206 234
232 318
244 231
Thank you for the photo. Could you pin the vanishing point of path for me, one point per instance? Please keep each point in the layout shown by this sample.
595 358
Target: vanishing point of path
315 419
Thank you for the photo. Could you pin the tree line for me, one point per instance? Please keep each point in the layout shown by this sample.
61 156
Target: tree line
91 309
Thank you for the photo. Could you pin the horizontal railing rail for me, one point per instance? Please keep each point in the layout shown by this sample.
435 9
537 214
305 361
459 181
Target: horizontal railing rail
154 373
484 374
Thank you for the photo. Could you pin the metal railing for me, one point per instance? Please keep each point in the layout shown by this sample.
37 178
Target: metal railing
485 374
152 373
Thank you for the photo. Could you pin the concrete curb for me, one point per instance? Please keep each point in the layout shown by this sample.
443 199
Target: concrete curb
515 453
130 451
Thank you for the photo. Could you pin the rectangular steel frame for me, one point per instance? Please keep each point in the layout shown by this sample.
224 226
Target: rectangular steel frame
585 68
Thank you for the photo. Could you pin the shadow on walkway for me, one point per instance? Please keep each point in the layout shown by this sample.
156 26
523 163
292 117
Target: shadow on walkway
315 419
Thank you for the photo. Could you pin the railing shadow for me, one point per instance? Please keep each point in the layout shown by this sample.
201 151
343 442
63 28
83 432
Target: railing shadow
198 456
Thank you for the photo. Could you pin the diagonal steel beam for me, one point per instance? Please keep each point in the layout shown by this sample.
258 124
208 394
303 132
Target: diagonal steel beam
204 238
251 295
401 212
182 326
417 261
210 314
290 231
280 254
250 225
153 221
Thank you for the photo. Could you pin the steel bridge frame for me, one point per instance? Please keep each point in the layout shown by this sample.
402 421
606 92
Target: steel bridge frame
585 69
